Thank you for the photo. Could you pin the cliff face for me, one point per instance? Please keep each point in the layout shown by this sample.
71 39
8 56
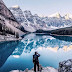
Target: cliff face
6 12
7 20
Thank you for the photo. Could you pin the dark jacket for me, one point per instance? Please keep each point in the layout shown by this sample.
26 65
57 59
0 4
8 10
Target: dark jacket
35 57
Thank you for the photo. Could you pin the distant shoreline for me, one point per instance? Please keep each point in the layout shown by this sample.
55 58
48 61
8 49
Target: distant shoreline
61 35
9 40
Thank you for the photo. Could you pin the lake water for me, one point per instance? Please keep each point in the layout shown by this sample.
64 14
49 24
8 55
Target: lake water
18 55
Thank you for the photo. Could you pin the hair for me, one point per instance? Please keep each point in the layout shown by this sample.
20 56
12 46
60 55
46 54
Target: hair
35 52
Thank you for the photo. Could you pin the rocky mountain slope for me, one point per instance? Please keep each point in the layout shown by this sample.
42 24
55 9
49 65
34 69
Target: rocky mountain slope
8 23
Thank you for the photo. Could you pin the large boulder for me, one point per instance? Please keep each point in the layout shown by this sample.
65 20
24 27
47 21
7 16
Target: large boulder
65 66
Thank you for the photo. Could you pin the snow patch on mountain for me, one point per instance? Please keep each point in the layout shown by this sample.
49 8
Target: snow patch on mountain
57 15
68 16
16 6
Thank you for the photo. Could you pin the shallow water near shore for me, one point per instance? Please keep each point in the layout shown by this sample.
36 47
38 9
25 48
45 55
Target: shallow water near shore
18 55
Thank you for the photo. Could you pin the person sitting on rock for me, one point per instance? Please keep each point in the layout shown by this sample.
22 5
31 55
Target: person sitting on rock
36 61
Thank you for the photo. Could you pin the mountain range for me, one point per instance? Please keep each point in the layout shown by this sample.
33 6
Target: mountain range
32 23
13 20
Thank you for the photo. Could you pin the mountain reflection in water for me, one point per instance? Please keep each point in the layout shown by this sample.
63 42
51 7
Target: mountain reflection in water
18 55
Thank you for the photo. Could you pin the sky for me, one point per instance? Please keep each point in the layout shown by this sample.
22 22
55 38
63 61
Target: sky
43 7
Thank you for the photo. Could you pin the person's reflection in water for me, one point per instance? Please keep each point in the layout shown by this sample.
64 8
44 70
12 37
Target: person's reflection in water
36 61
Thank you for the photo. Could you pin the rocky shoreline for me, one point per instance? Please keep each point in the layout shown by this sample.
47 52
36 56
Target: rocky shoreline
4 38
64 66
44 69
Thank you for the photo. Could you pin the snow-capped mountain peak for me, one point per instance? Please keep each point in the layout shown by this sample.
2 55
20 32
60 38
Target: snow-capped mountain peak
68 16
17 12
27 12
57 15
16 6
35 15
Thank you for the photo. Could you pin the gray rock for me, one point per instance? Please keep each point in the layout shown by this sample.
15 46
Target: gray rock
26 70
65 66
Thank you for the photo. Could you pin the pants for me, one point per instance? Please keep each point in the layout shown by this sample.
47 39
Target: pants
36 63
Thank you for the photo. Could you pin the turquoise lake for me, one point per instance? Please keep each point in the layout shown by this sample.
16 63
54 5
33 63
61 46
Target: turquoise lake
18 55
